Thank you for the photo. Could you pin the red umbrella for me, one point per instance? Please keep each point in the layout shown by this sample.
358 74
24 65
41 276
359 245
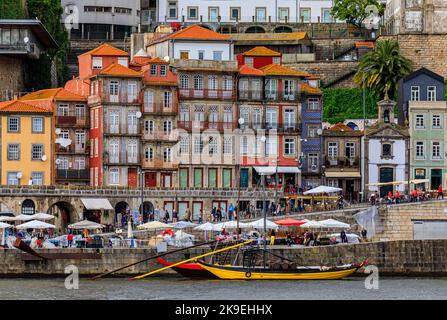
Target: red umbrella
289 222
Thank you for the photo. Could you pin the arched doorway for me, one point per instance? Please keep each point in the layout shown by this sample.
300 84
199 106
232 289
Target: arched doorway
148 210
28 207
386 175
121 213
64 213
255 29
283 29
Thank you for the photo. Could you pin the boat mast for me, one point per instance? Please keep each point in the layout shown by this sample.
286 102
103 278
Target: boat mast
265 218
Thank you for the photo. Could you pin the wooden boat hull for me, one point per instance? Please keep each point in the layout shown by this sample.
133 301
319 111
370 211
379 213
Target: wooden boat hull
189 270
238 273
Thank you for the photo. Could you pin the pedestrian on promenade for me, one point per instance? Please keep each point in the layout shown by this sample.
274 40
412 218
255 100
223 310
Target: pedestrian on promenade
390 197
166 217
364 233
440 193
174 215
70 239
230 212
397 196
214 214
272 237
219 215
343 237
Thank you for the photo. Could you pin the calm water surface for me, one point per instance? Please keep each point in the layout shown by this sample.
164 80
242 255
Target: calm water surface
182 288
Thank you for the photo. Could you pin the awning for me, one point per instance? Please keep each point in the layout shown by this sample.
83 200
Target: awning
342 174
268 171
394 183
96 204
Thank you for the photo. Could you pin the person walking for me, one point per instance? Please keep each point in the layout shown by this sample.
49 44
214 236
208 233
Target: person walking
70 239
397 196
364 233
174 215
272 237
230 212
166 217
343 237
440 193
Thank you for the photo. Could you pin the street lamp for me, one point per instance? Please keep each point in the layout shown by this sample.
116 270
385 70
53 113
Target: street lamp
365 70
241 122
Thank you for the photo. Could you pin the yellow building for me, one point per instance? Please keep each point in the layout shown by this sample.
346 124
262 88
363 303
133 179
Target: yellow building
27 143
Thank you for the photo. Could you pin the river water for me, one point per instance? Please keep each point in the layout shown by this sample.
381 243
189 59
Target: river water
182 288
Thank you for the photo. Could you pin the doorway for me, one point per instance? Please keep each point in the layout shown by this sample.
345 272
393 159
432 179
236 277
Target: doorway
150 179
386 175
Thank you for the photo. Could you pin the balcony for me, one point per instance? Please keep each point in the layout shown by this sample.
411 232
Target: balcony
72 149
160 164
71 120
161 136
352 162
258 95
250 95
122 131
160 109
206 94
122 158
121 98
206 125
72 174
29 50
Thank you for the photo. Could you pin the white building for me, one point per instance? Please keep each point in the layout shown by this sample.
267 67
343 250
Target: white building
386 149
227 11
101 19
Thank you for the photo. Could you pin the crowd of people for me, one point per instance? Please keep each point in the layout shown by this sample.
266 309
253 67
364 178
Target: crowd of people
416 195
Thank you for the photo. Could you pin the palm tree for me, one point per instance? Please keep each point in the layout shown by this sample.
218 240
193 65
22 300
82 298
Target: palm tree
381 69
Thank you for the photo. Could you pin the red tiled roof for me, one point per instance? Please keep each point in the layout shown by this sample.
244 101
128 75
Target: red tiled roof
309 89
312 77
106 50
364 44
59 94
250 71
197 32
340 127
261 52
118 70
17 106
277 70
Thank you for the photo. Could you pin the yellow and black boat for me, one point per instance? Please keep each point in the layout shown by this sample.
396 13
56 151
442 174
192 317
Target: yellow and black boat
299 273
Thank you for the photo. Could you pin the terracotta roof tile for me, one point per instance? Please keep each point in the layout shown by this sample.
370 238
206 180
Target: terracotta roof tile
58 94
261 52
277 70
313 77
309 89
250 71
286 36
199 33
106 50
17 106
365 44
118 70
340 127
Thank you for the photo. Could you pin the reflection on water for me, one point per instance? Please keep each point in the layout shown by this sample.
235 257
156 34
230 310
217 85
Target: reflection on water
182 288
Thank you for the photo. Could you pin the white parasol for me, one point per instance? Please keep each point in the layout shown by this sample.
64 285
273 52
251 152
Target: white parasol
205 227
154 225
259 224
332 223
86 224
42 216
322 189
36 224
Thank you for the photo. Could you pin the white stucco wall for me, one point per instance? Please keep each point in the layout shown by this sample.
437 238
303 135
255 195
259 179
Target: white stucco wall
207 47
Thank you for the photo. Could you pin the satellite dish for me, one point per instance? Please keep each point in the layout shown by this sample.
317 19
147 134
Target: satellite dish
44 158
58 161
319 131
139 114
58 131
241 121
19 175
166 58
26 39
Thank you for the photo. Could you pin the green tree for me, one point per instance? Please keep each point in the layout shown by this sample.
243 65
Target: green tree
11 9
381 69
354 11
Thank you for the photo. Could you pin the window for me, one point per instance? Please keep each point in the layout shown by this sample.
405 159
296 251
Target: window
313 104
123 61
184 144
350 150
276 60
167 155
289 146
37 178
131 91
415 93
13 179
420 150
198 144
243 88
431 93
198 82
261 14
332 150
149 126
436 150
217 55
113 88
256 89
96 147
244 145
36 152
289 89
167 127
312 131
167 99
132 151
271 118
213 14
283 14
62 110
184 81
114 176
228 114
420 121
271 88
184 113
305 14
37 124
97 63
149 154
123 10
289 119
193 13
132 122
244 114
14 151
114 147
153 69
65 134
80 164
271 147
172 10
212 145
235 13
13 124
386 150
436 121
257 118
326 15
249 61
80 111
313 162
201 54
212 83
227 83
148 101
114 121
163 71
184 55
228 145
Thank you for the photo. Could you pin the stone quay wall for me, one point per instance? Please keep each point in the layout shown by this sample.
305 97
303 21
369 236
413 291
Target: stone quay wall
410 258
11 77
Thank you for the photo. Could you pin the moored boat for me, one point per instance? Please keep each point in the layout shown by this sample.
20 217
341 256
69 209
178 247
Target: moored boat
299 273
190 270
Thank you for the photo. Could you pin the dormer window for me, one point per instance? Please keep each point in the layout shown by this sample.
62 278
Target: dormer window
163 71
153 69
386 116
97 63
124 62
276 60
249 61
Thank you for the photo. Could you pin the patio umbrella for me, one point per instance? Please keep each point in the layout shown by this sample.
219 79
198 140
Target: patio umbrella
42 216
154 225
36 224
208 226
24 217
289 222
7 218
322 189
230 225
311 224
86 224
259 224
332 223
183 224
5 225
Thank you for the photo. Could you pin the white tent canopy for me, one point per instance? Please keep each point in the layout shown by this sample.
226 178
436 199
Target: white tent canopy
86 224
259 224
96 204
42 216
5 225
331 223
154 225
208 226
270 170
311 224
24 217
183 224
7 218
230 225
322 189
35 224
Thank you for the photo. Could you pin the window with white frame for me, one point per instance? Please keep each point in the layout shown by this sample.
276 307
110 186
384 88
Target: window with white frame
244 145
227 145
271 146
113 87
114 176
184 144
260 146
79 164
13 124
289 118
153 70
184 81
37 125
431 93
96 147
212 145
62 110
167 155
13 151
387 150
198 82
276 60
420 121
313 104
198 144
12 178
415 93
248 61
97 63
436 121
283 14
212 83
436 150
167 99
289 146
114 150
312 131
80 138
193 13
167 127
199 114
148 101
149 126
350 150
261 14
271 88
228 114
256 89
37 178
132 122
172 10
289 89
227 83
114 121
36 151
80 111
149 154
313 162
184 113
244 114
332 150
271 118
257 118
420 150
63 163
132 151
163 71
243 88
131 91
96 118
65 134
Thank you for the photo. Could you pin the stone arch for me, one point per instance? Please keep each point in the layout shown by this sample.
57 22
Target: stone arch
28 207
64 213
255 29
148 209
282 29
122 208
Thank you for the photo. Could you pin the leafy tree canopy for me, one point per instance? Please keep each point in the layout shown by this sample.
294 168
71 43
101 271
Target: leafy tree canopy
354 11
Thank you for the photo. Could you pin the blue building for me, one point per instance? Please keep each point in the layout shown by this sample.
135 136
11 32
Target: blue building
421 85
311 160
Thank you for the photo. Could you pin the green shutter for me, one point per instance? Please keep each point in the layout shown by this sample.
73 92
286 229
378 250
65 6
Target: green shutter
212 178
226 179
183 178
197 178
244 178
